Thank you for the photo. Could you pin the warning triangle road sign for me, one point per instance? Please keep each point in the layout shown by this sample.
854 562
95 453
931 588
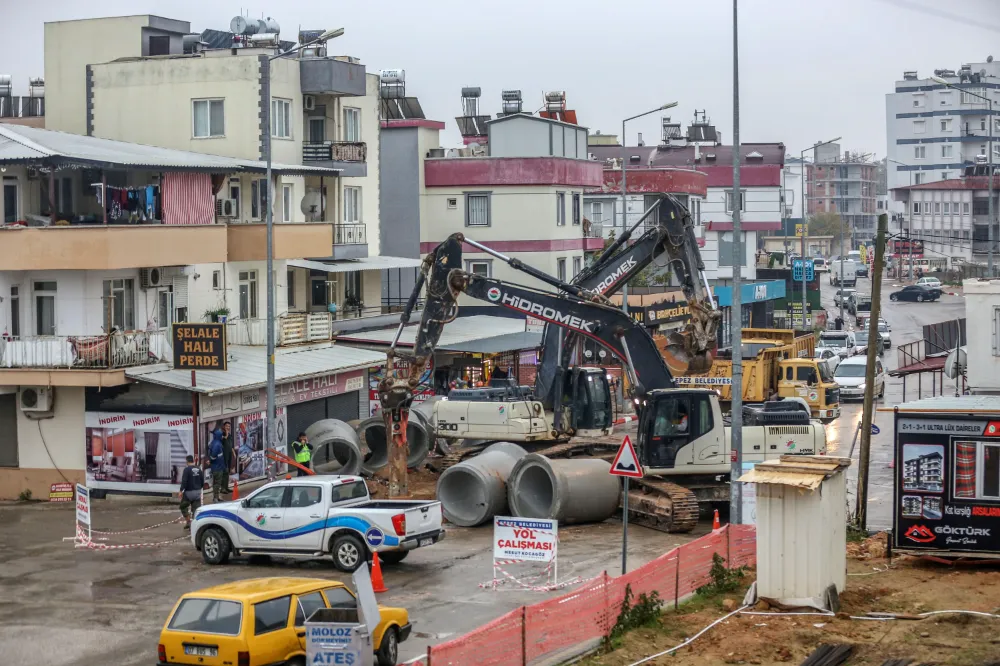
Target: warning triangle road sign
626 463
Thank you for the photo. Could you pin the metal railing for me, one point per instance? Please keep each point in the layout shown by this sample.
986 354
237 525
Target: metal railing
336 151
349 234
298 327
118 350
593 230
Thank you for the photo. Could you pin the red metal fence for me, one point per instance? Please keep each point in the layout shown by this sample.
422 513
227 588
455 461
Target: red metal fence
562 624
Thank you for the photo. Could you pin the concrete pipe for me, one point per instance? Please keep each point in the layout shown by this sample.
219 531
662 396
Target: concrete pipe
475 490
573 490
372 434
426 409
336 447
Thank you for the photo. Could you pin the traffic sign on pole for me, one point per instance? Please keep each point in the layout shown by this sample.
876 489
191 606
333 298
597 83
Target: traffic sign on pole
626 463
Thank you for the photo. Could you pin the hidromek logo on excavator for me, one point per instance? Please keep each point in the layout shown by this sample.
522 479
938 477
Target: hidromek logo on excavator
524 305
606 283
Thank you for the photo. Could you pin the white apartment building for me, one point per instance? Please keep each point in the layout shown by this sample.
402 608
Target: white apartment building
934 131
949 217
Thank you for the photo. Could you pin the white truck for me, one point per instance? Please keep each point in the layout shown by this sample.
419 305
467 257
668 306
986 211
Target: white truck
850 270
316 516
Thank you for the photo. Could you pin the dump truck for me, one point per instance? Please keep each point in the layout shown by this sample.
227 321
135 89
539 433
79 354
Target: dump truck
775 361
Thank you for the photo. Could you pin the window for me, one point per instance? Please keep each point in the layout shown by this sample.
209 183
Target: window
561 268
208 616
307 605
317 129
946 125
271 615
977 470
352 124
303 496
919 126
927 208
919 152
208 118
481 267
947 151
974 97
339 597
946 207
281 118
45 308
258 198
576 208
119 305
919 178
268 498
248 294
919 100
348 491
477 209
320 290
944 98
290 285
560 209
965 208
597 211
158 45
165 308
10 191
352 286
286 202
577 265
937 207
916 208
15 311
729 201
234 194
352 205
945 175
216 279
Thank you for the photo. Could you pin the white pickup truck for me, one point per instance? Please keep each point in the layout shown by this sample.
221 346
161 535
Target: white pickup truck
313 517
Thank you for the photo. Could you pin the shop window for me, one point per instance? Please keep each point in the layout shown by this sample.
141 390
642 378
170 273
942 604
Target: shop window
281 118
248 294
45 308
208 118
977 470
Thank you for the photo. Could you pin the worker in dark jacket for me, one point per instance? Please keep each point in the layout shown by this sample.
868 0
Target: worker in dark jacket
217 459
192 482
227 453
302 452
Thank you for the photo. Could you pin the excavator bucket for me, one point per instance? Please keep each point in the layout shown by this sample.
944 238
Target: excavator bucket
681 357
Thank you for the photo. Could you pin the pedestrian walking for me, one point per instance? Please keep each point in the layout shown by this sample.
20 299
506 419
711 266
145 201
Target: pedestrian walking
217 459
192 481
227 453
302 450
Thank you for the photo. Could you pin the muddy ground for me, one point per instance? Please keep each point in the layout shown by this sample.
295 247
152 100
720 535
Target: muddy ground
907 586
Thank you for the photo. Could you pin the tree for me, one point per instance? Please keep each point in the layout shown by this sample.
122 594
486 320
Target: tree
650 276
830 224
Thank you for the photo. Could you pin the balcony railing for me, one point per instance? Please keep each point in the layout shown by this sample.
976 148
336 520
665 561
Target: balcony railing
92 352
593 230
300 327
349 234
335 151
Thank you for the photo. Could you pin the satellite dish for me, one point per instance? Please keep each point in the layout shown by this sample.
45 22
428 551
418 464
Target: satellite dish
956 363
989 58
312 204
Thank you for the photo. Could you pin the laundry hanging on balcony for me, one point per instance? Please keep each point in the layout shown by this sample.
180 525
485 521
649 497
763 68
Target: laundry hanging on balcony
187 198
130 205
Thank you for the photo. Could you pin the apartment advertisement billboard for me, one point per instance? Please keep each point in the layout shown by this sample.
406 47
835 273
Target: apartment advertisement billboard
947 484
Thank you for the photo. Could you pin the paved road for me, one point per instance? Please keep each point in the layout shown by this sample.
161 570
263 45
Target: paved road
906 320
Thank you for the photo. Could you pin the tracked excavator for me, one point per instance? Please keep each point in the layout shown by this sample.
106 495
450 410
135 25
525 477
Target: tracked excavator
681 436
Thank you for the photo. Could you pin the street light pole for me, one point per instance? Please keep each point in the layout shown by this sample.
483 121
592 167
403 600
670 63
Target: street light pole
736 306
271 431
909 239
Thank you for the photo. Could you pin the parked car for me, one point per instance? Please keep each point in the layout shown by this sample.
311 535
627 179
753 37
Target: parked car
916 293
842 343
819 265
315 516
830 356
863 338
861 270
843 294
262 621
932 282
883 330
850 374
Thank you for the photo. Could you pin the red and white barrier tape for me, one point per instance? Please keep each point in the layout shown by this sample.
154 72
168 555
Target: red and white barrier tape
625 419
84 541
529 582
141 529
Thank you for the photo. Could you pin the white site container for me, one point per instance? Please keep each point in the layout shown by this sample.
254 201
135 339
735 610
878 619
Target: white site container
801 530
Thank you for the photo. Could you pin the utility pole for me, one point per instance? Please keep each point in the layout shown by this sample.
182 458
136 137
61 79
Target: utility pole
736 311
873 340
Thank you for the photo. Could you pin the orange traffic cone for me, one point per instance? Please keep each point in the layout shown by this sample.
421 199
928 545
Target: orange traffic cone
236 489
378 585
715 520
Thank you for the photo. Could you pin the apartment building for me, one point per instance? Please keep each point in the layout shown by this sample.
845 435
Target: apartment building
845 184
923 473
935 131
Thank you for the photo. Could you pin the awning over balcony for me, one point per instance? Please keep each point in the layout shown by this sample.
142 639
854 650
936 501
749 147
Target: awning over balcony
33 146
248 368
348 265
477 334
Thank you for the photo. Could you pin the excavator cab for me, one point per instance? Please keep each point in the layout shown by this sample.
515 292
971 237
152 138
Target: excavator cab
587 397
679 427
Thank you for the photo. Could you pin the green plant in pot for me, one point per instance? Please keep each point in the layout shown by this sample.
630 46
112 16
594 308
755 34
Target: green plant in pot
219 314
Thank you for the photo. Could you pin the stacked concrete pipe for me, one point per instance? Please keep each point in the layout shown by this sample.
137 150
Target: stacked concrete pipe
572 490
371 431
336 447
475 490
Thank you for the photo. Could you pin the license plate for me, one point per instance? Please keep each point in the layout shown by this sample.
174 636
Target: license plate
426 542
201 651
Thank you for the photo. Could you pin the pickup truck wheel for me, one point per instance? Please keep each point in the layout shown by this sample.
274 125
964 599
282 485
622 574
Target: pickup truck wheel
215 546
389 650
393 556
348 553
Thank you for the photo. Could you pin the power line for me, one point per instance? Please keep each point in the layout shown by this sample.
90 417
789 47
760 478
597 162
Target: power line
931 11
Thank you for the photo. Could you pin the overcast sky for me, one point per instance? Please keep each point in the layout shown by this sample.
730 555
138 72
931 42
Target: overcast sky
809 71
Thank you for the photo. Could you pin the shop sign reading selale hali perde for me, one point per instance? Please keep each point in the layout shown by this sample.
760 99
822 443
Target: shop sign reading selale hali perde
199 346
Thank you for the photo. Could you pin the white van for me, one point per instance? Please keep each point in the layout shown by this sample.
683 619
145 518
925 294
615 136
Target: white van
850 374
850 269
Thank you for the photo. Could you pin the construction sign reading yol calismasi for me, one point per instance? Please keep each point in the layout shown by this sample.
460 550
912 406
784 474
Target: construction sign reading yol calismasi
524 539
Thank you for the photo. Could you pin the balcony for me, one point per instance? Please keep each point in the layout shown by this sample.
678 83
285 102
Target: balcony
348 156
332 76
350 241
248 242
297 328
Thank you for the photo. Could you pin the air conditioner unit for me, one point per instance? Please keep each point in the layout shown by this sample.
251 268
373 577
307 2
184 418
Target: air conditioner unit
229 207
309 102
35 399
151 277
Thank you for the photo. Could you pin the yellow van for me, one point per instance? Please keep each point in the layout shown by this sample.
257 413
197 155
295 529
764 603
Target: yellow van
262 621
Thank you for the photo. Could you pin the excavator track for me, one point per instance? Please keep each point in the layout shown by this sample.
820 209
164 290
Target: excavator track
458 455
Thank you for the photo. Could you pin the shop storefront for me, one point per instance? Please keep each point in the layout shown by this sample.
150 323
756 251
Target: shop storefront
757 306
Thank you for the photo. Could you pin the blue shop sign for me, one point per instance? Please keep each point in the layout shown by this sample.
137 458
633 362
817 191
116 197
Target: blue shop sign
751 293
